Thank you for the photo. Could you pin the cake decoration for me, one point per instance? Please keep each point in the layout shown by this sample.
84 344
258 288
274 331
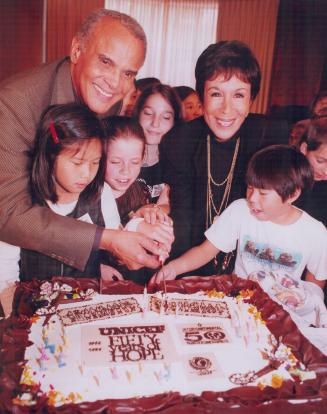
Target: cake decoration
202 367
53 294
117 344
189 307
104 310
265 362
204 334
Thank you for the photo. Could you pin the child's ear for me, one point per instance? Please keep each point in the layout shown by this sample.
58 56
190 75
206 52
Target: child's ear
304 148
294 196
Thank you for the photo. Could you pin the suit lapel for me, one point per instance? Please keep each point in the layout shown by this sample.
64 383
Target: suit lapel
62 91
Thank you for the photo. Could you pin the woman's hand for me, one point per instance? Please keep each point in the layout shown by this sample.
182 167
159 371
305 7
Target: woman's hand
153 213
162 233
109 273
167 272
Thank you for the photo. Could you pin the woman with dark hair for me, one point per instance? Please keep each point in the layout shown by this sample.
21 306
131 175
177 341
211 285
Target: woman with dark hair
204 160
157 109
191 104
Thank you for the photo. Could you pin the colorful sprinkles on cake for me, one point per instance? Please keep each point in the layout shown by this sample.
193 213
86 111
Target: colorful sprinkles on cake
244 319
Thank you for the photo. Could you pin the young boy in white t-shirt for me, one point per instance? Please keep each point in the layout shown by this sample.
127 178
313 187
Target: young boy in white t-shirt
276 242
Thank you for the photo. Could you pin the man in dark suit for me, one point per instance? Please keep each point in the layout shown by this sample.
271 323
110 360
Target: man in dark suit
106 55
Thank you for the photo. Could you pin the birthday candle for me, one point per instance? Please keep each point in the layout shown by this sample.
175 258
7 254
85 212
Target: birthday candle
161 304
235 320
140 367
164 303
64 340
246 340
257 330
145 300
158 376
41 363
96 379
114 373
236 325
167 371
59 361
129 376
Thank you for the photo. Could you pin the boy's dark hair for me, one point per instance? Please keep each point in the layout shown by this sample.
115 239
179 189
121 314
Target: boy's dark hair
280 168
228 58
167 92
70 123
115 127
315 134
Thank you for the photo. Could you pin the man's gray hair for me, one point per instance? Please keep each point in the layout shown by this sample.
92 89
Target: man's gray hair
124 19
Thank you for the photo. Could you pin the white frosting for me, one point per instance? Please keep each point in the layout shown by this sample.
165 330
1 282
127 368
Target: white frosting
175 352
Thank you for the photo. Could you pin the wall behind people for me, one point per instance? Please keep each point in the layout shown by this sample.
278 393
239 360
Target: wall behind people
177 32
32 32
299 53
254 23
63 19
20 35
300 60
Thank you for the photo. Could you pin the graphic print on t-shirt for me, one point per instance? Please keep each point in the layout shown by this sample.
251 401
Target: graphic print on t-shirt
269 256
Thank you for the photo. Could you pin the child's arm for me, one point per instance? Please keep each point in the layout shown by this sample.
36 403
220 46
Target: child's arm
153 213
191 260
157 212
309 277
9 274
163 200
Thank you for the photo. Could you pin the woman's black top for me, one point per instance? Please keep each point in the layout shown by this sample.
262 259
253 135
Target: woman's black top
183 159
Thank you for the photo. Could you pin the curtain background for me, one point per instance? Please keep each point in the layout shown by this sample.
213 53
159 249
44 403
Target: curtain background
300 61
20 35
64 18
253 22
177 32
27 28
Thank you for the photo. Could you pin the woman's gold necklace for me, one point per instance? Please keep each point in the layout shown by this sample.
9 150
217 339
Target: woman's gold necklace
228 181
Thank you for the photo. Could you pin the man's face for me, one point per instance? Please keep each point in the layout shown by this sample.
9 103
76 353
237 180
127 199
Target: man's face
104 68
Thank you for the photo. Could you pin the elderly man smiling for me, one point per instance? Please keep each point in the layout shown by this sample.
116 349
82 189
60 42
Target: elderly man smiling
106 55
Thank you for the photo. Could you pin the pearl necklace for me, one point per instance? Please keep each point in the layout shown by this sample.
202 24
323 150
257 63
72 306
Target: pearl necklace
210 181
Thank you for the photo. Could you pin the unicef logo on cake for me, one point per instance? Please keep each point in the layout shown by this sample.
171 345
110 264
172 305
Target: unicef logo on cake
201 365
